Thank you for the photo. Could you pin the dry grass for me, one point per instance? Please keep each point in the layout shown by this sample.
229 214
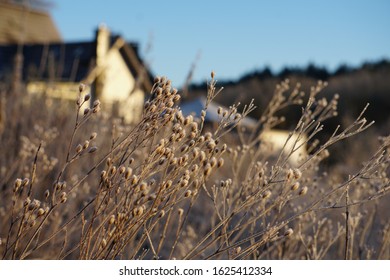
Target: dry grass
84 186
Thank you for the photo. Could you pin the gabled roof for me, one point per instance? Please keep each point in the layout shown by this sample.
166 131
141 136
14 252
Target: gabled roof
195 106
19 24
59 62
71 62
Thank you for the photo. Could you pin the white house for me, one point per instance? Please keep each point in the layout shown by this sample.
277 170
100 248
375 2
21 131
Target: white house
108 64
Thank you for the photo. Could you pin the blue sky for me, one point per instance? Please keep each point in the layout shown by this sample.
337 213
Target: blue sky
235 37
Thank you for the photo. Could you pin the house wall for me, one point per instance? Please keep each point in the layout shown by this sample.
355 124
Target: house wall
64 90
118 88
274 140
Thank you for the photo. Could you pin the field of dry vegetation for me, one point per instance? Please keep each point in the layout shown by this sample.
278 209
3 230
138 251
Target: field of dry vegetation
77 184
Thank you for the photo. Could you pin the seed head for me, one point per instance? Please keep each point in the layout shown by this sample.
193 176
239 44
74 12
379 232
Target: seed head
138 211
26 202
266 194
112 170
295 186
207 170
17 184
81 88
290 174
86 111
128 173
86 144
122 170
288 232
41 211
303 191
183 183
161 214
188 120
79 148
157 79
213 161
187 193
134 179
180 211
25 182
297 174
111 220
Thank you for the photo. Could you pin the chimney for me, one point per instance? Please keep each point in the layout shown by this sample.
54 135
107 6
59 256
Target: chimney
102 47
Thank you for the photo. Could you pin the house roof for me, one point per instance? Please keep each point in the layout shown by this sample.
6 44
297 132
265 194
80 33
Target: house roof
67 61
195 106
59 62
21 24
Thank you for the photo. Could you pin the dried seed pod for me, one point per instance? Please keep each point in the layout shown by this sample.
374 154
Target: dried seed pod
79 148
134 179
220 162
27 202
93 136
92 149
266 194
128 173
112 170
168 184
162 160
210 144
143 186
295 186
188 120
79 101
111 220
183 183
303 191
157 79
138 211
213 161
187 193
63 194
297 174
194 168
290 174
288 232
194 127
47 193
122 170
62 185
25 182
207 170
86 111
17 184
202 156
41 211
161 214
82 87
96 103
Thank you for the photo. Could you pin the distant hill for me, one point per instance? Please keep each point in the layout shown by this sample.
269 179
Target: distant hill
368 83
